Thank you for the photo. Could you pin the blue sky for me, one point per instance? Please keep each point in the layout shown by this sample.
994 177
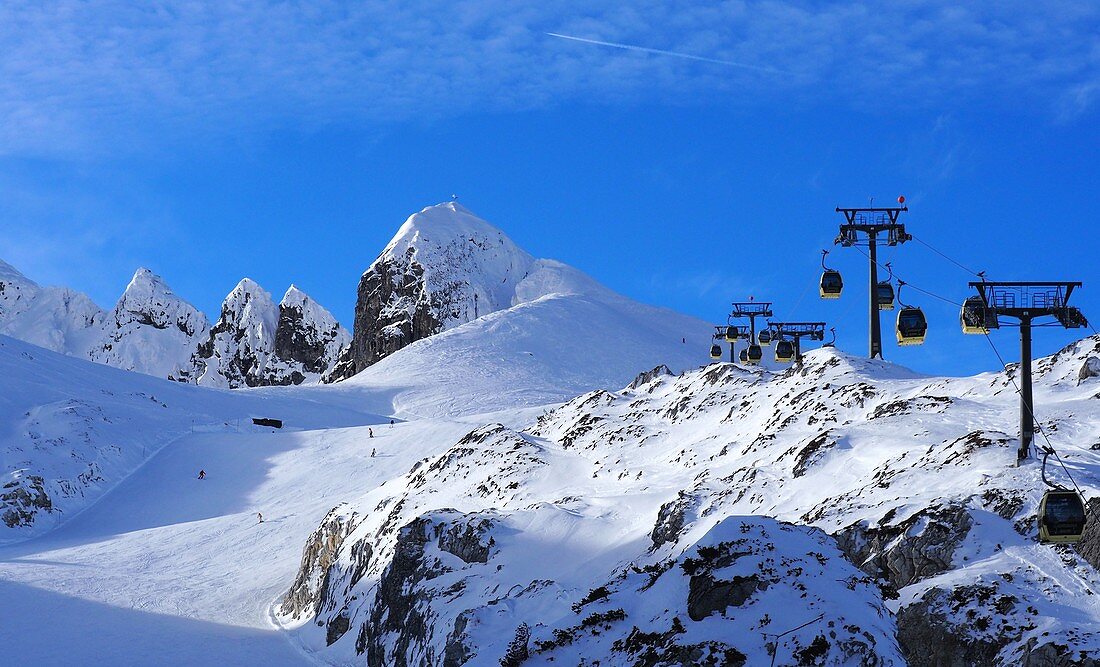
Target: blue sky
287 143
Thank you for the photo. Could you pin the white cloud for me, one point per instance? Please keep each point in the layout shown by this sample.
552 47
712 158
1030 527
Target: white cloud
80 77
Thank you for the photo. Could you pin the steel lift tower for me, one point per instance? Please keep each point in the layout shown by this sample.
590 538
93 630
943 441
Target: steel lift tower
1023 301
752 310
871 222
796 331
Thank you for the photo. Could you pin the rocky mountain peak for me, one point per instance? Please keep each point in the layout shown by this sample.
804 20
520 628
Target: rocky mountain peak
258 343
149 300
443 268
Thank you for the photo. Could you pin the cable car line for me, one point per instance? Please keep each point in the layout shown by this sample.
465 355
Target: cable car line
941 254
923 291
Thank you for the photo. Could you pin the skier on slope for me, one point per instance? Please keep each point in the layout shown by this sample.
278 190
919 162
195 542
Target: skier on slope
260 516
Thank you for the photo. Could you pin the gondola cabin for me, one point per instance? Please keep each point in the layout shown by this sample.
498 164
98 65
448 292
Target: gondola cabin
731 334
884 295
1061 517
831 284
715 351
744 357
976 318
765 337
754 354
911 326
784 351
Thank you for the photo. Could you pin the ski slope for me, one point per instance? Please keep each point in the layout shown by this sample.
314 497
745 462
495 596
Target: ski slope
169 569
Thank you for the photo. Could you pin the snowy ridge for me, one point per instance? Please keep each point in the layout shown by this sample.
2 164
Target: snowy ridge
152 330
911 476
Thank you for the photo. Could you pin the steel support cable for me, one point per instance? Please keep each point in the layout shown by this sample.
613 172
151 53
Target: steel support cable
900 279
944 255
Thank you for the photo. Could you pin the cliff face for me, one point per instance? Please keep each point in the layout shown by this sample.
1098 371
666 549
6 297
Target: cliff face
258 343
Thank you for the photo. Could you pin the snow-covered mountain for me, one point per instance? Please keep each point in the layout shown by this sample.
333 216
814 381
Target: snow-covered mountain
899 529
258 343
510 490
56 318
152 330
443 268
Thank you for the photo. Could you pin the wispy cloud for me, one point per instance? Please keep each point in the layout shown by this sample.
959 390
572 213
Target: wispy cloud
662 52
106 74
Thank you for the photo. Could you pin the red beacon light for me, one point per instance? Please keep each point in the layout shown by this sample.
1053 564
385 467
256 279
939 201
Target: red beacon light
901 199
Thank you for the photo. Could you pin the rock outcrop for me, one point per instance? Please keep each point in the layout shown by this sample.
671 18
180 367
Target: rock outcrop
256 343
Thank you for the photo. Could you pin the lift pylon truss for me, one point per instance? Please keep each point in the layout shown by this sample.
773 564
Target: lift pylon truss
1026 301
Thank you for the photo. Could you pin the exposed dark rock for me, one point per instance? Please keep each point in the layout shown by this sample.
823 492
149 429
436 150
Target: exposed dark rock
1089 369
646 377
467 540
401 614
1089 546
813 452
929 639
707 595
393 308
21 500
904 553
336 628
311 588
517 651
670 520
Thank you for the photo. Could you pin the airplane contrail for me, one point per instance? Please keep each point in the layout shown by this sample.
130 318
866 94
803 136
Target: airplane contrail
642 49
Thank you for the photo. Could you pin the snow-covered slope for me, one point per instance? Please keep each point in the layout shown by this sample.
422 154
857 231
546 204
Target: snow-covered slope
638 495
443 268
535 353
71 429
